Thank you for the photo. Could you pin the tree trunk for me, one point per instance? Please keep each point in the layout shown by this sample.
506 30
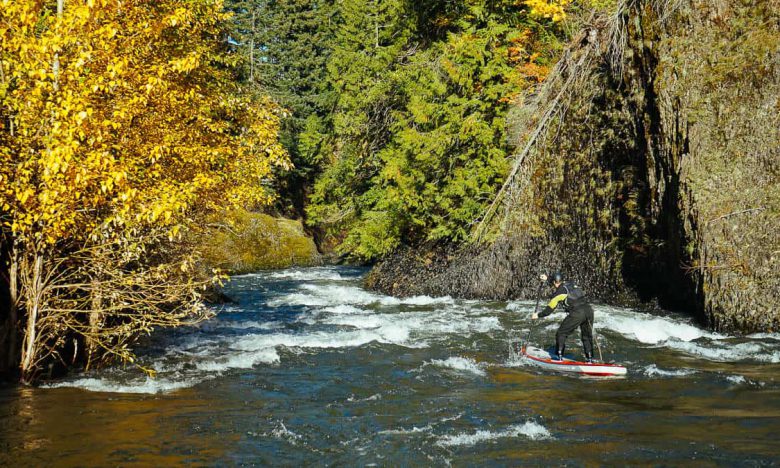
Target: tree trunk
94 322
376 25
33 298
13 313
252 51
56 65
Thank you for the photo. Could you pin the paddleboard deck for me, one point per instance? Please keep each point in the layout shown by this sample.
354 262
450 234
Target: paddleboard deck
543 359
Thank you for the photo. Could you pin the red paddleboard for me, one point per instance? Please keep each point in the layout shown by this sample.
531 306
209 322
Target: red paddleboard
543 359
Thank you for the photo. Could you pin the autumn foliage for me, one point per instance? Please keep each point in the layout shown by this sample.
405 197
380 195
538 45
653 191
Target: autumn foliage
121 128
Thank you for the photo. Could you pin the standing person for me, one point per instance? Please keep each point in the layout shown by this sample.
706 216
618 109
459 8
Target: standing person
580 314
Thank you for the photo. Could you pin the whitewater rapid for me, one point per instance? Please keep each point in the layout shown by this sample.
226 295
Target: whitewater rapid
320 309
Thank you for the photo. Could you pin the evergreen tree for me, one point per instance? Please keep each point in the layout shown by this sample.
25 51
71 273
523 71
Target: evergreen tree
419 133
286 46
369 41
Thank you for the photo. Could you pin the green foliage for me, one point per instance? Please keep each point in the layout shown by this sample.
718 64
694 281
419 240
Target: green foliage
419 143
238 241
286 45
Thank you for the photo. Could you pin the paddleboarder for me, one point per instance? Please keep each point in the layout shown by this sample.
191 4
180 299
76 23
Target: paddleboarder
580 314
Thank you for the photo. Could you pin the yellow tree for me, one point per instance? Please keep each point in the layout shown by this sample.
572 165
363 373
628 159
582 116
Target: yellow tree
552 9
121 127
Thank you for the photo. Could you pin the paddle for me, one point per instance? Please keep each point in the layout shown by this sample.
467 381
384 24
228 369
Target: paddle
593 334
536 308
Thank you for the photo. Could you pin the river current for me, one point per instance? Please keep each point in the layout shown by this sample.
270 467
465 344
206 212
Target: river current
308 368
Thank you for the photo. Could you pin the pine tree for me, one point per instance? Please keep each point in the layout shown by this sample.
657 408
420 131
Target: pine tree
370 41
286 45
419 144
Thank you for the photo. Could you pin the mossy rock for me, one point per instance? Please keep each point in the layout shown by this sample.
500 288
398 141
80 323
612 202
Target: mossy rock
660 181
240 241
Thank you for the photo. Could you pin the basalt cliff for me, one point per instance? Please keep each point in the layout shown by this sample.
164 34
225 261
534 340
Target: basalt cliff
647 168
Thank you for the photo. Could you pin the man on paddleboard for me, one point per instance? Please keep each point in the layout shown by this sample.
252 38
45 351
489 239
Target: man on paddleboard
580 315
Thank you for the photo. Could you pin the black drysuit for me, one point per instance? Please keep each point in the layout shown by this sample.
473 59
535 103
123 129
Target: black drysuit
580 315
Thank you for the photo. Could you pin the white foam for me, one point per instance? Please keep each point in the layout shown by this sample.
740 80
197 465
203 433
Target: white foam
514 358
423 429
357 321
427 300
742 380
215 324
652 370
309 274
324 339
736 379
464 325
765 336
343 310
342 315
726 352
530 429
409 329
147 386
375 397
420 325
240 361
460 364
520 306
335 295
412 430
647 328
281 432
331 295
195 346
680 335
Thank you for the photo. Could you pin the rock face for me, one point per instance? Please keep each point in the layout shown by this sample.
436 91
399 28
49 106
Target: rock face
654 176
242 242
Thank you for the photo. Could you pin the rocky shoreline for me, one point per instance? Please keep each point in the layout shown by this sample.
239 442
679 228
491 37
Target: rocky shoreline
492 273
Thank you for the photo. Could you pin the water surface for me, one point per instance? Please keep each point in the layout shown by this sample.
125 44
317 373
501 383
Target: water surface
310 368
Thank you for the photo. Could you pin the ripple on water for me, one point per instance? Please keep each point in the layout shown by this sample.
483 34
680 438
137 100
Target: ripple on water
461 364
321 308
653 371
529 429
332 374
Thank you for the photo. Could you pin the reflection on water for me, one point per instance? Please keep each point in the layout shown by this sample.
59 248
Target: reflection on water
309 368
70 427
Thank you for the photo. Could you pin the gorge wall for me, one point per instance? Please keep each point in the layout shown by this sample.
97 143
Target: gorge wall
647 169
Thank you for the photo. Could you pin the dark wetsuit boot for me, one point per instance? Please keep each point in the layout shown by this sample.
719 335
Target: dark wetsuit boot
586 331
588 358
558 356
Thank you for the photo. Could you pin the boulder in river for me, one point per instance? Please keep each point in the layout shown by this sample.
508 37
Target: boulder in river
240 241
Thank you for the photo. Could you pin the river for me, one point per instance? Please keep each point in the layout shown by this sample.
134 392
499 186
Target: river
308 368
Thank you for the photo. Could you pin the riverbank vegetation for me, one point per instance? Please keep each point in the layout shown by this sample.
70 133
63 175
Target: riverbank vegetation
148 147
129 130
122 127
238 241
399 110
648 172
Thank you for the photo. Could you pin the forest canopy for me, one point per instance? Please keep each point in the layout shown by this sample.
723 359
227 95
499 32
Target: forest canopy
398 124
